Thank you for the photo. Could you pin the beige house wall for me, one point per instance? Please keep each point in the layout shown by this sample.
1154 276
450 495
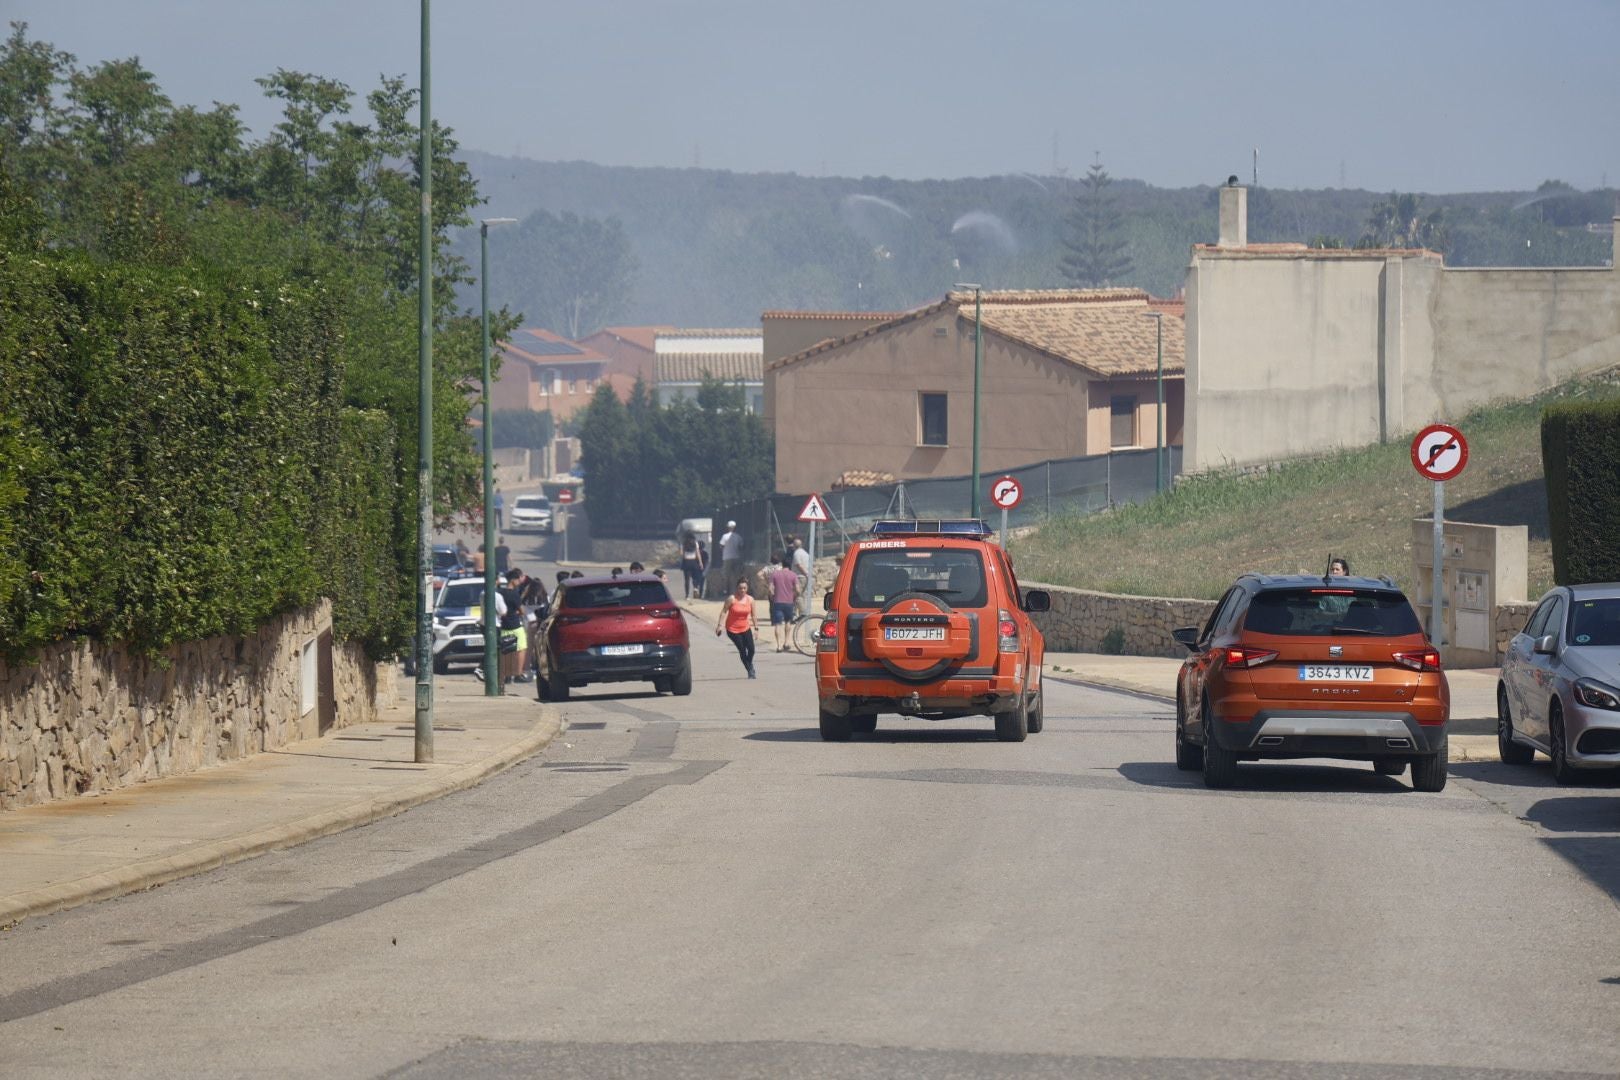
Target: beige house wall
788 335
856 407
1302 353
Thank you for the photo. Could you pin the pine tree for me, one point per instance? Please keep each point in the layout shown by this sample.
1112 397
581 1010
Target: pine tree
1096 251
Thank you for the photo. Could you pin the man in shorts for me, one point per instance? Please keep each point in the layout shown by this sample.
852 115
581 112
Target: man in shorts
784 590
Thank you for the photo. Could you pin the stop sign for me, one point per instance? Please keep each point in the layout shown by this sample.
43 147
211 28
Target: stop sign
565 496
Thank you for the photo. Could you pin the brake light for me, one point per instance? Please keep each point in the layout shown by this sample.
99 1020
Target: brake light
1419 659
1333 592
1006 631
664 613
1245 657
827 636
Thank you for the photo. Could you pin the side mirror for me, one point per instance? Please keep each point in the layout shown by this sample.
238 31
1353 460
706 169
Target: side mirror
1186 635
827 601
1547 645
1037 600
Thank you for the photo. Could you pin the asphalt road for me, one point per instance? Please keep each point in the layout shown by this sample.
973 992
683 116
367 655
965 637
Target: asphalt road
700 887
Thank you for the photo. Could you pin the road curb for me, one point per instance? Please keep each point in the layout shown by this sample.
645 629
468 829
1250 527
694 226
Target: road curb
150 873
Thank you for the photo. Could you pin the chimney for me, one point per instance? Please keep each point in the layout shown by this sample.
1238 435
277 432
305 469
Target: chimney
1234 216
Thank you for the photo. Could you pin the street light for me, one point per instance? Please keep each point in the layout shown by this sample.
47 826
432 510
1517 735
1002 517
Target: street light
424 415
1158 448
978 356
492 655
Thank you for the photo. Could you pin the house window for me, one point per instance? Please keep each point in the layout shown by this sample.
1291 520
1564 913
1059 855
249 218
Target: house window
1122 420
931 419
573 386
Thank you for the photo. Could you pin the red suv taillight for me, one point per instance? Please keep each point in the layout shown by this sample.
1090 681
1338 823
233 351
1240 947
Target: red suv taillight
1006 631
1419 659
1242 656
664 613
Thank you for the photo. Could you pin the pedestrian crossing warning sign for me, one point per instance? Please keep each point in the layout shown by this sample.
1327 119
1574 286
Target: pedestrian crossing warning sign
814 509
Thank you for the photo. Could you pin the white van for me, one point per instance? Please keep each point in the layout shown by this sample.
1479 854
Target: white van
702 528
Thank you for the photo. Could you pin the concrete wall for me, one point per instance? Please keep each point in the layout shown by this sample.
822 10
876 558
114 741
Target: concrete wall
87 717
1295 352
857 407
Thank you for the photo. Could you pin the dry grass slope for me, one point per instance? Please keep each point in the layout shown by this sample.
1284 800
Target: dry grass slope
1359 503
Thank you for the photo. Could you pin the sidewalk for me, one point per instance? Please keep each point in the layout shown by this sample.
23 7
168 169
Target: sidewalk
100 846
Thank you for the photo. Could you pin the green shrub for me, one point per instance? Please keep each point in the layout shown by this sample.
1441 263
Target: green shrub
175 460
1580 450
1113 642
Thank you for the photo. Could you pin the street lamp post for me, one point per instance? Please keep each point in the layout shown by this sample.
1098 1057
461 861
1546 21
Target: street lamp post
978 361
492 655
1159 469
424 417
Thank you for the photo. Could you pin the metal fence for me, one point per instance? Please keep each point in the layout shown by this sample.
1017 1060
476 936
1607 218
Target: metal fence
1077 485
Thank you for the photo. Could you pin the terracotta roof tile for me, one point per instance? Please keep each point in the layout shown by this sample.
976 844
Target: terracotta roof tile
729 332
543 347
639 336
1106 331
875 316
728 367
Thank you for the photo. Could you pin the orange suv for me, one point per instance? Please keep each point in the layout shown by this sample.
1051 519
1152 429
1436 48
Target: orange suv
926 619
1297 667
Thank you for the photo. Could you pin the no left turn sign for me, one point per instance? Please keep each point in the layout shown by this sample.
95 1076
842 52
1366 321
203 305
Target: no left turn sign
1439 452
1006 493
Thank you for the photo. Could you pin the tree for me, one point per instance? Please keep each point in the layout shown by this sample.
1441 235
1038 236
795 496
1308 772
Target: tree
1398 222
570 274
1095 255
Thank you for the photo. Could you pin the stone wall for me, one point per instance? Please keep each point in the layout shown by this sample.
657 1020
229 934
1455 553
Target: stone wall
1081 621
1508 621
87 717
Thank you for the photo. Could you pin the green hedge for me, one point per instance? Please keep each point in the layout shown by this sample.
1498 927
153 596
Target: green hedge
1580 452
175 460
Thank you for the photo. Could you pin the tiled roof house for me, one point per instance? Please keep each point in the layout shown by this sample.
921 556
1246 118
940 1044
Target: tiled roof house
1064 373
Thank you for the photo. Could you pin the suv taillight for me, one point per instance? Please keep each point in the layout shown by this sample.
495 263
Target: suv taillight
1006 631
665 613
1419 659
1241 656
827 634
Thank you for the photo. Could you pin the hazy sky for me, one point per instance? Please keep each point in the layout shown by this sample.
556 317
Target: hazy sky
1381 94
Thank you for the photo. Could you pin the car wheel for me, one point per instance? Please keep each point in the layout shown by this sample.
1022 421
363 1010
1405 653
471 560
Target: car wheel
542 687
681 684
663 684
835 728
1037 711
1220 764
1389 766
863 724
1561 769
1189 757
1429 773
557 688
1511 753
1013 725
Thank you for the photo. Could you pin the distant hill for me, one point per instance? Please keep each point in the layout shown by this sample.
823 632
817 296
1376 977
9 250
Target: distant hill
717 248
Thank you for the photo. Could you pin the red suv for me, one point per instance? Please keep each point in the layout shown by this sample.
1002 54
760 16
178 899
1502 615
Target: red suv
607 629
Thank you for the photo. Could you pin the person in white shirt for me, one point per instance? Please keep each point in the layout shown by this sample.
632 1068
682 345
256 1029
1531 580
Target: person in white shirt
731 567
801 566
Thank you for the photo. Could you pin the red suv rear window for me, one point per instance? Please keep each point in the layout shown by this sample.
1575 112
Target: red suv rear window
615 594
1326 611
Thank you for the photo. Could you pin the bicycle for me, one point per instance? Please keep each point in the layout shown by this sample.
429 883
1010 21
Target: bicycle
807 633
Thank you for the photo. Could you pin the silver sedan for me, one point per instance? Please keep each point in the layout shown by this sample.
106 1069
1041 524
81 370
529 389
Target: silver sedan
1559 690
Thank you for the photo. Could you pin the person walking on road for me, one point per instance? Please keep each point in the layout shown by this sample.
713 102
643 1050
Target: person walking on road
693 561
738 623
731 567
784 590
500 511
503 555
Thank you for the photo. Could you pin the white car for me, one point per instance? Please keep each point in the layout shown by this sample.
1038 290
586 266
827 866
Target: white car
530 513
458 624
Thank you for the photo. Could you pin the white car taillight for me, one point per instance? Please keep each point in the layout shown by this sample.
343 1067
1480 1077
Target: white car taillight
1006 631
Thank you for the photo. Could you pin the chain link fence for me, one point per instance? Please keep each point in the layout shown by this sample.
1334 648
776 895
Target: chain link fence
1078 485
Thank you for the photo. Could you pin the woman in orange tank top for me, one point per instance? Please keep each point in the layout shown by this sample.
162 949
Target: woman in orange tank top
737 623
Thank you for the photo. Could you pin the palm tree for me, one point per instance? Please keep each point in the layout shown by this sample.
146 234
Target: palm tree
1398 222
